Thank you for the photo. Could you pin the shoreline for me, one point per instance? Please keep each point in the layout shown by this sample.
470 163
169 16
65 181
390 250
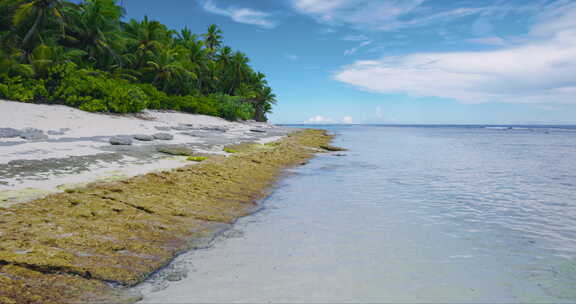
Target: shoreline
116 232
46 149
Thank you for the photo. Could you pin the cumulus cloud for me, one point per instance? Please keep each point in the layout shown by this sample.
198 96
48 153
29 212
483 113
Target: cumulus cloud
347 120
319 119
241 15
539 71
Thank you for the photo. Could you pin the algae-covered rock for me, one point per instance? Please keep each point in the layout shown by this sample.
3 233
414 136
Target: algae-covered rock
163 136
69 244
61 131
9 133
143 137
121 141
176 150
33 134
332 148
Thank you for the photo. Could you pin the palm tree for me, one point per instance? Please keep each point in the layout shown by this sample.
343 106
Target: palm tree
185 37
263 103
10 65
41 11
238 70
95 28
166 66
144 38
213 38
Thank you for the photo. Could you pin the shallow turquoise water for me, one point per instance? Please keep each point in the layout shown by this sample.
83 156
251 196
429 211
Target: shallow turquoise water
407 215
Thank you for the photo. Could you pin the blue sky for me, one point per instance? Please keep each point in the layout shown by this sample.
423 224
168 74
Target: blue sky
399 61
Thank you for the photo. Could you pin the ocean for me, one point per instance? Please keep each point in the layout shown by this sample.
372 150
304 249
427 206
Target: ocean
410 214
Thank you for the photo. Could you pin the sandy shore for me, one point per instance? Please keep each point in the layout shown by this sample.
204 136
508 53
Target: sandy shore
69 148
80 242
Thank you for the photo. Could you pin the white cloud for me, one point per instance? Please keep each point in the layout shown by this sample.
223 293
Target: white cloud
292 57
539 71
355 49
241 15
560 16
355 38
488 40
347 120
319 119
383 15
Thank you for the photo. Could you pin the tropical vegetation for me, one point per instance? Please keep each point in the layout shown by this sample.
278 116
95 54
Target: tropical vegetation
87 56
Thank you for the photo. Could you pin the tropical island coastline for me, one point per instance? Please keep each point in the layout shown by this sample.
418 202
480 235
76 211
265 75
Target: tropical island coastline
102 215
123 143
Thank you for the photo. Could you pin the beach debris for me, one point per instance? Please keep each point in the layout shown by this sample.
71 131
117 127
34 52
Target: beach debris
176 150
332 148
143 137
121 141
33 134
258 130
163 136
9 133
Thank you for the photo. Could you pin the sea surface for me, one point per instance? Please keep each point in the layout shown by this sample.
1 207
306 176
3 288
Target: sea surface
410 214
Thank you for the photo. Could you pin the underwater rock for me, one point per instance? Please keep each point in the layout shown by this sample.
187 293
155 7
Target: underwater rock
177 276
163 136
121 141
332 148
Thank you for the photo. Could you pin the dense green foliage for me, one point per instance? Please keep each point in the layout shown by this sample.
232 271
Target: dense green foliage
83 55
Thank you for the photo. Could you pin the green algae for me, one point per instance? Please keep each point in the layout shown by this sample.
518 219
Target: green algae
124 230
230 150
197 158
272 144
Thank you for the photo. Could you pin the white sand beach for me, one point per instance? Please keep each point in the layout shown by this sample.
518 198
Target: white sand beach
73 146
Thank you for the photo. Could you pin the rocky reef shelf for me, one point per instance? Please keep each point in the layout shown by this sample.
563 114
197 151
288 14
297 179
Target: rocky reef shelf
88 244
